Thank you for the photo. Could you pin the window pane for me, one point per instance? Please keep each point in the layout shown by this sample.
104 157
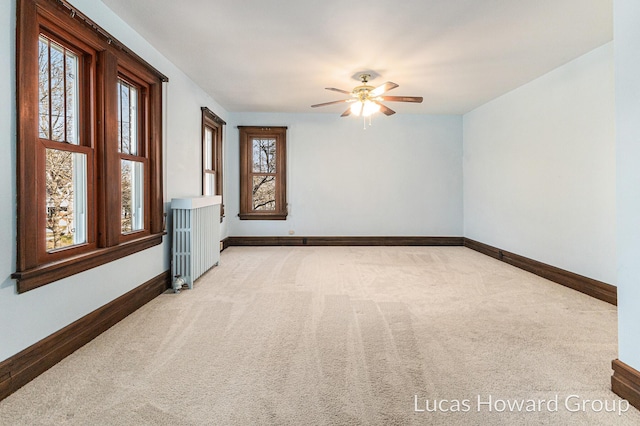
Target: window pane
66 182
208 148
264 155
56 57
127 118
133 119
264 193
209 184
132 173
123 117
58 92
120 96
71 70
43 87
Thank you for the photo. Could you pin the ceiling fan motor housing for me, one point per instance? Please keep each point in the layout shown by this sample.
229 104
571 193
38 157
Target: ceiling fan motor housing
362 92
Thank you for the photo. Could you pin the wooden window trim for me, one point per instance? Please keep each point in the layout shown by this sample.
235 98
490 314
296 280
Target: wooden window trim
211 120
102 58
247 133
45 274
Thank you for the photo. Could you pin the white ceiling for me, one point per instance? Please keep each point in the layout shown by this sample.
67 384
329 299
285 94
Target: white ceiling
260 56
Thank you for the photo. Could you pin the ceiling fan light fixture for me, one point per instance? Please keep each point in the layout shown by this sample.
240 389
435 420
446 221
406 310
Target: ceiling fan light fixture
364 108
366 100
370 108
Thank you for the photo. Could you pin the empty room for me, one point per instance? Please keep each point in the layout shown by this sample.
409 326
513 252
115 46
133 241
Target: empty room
334 213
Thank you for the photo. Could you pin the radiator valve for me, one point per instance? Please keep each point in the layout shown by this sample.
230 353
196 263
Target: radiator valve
178 283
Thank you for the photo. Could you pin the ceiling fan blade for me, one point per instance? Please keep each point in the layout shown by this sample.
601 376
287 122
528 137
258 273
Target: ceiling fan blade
385 109
338 90
383 88
347 112
416 99
331 103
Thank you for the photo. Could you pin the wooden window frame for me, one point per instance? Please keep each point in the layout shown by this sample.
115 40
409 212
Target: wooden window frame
247 134
212 121
87 57
102 58
142 149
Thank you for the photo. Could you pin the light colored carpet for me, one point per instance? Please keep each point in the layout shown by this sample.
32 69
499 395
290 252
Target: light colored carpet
345 336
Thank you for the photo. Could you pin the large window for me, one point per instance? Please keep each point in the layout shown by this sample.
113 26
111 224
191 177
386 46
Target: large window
212 155
263 193
89 160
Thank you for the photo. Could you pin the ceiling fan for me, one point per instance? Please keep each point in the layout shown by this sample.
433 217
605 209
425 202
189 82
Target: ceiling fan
365 99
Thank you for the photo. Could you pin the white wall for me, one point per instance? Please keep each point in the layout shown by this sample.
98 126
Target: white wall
627 65
183 153
400 177
29 317
539 168
539 171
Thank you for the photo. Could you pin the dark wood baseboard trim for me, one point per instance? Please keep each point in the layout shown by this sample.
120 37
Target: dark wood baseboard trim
224 243
625 382
598 289
483 248
344 241
28 364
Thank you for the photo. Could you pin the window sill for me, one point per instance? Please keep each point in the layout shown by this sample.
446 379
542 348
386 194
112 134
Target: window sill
263 216
54 271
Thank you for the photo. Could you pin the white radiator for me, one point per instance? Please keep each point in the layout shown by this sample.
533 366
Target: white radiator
196 237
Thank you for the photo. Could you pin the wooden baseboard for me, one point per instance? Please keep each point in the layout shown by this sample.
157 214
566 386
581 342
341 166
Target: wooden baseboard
28 364
482 248
625 382
598 289
344 241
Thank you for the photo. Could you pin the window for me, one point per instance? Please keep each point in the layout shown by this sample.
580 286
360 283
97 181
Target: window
212 155
131 152
263 187
89 160
65 149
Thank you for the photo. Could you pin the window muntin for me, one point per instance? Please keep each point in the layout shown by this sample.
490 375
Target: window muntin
263 173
